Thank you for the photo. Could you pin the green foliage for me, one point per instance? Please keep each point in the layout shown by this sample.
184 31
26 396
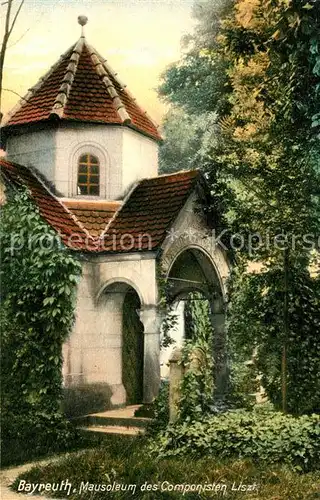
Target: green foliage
198 82
33 434
197 387
270 147
257 301
198 87
166 307
160 410
263 163
125 460
187 138
244 383
38 277
261 435
267 142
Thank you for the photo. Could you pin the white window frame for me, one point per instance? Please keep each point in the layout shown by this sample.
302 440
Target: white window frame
97 151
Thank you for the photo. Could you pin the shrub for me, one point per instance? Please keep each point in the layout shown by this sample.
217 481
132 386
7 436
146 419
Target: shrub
160 409
261 435
26 436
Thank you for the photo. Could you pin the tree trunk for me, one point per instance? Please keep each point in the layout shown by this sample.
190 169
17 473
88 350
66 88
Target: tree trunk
284 374
9 25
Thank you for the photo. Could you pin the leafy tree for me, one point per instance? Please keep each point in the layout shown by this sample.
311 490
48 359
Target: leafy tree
187 140
197 86
265 156
270 138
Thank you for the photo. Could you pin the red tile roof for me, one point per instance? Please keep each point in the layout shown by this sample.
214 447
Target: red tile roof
94 215
146 216
50 208
81 86
141 223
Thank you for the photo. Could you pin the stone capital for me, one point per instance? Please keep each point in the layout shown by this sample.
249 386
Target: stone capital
150 317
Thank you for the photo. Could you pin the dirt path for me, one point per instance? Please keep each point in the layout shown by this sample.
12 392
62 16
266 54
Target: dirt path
7 476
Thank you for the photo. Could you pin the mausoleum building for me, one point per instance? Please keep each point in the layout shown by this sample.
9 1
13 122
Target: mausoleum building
88 155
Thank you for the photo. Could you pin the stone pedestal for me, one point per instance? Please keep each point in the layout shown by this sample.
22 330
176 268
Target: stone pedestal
176 375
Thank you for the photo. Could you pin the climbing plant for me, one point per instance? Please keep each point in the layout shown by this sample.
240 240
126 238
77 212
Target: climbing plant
257 301
166 306
39 276
197 387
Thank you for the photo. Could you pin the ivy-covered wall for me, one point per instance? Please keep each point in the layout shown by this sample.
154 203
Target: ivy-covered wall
38 286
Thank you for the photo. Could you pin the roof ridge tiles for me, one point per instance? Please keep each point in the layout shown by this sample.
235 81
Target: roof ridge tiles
124 87
65 87
81 86
103 74
25 99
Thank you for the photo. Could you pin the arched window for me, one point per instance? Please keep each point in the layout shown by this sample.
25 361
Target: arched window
88 175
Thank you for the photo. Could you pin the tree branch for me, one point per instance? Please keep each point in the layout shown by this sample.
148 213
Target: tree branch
17 41
37 106
7 32
16 17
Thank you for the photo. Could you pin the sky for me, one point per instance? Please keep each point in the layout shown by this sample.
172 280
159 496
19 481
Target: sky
138 38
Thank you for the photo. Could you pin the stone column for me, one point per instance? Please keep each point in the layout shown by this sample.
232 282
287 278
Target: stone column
220 347
151 320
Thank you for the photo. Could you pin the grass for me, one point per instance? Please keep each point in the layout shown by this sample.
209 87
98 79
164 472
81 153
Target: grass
125 460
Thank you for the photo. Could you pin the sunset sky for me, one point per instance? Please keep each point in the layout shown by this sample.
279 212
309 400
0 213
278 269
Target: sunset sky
139 39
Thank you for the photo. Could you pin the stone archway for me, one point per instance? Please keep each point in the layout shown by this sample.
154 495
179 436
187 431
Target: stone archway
132 348
192 269
120 305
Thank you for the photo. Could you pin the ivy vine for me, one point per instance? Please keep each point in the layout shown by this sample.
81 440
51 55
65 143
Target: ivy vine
39 277
197 387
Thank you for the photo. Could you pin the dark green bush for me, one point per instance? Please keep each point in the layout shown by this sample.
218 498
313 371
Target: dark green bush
261 434
24 437
160 409
34 435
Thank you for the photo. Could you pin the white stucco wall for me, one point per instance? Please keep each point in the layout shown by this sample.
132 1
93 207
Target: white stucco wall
103 141
93 352
140 158
125 156
34 149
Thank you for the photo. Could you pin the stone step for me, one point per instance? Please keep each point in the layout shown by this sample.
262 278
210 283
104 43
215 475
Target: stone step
114 429
122 417
98 420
